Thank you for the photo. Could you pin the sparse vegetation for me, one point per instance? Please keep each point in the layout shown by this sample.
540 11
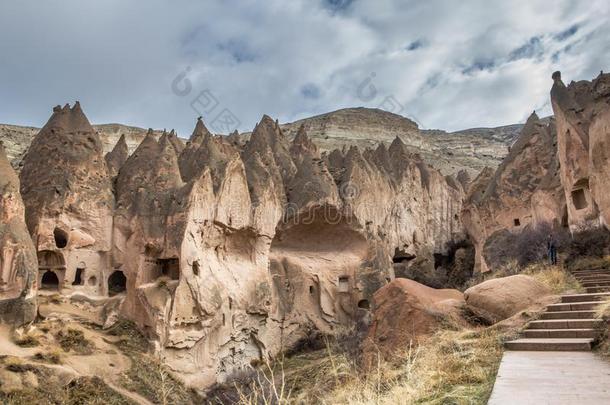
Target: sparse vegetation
591 243
555 278
525 247
74 339
83 390
51 357
26 340
147 375
452 367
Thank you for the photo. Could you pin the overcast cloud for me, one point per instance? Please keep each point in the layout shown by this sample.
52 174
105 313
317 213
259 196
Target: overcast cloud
450 64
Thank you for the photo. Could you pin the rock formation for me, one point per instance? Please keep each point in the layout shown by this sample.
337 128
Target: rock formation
524 192
69 204
582 112
228 252
407 312
500 298
18 266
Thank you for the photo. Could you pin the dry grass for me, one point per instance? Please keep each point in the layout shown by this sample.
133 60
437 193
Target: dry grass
26 340
555 278
147 375
51 357
452 367
590 263
74 339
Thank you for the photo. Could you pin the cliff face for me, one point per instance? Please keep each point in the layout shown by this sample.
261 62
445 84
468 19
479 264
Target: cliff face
227 252
18 266
583 121
69 203
524 192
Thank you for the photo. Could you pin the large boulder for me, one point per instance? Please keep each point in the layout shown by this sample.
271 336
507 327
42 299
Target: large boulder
405 312
502 298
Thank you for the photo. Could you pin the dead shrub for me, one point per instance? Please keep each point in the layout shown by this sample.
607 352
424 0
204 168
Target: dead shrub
589 243
74 339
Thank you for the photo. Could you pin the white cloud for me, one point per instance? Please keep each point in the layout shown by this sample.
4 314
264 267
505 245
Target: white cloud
474 63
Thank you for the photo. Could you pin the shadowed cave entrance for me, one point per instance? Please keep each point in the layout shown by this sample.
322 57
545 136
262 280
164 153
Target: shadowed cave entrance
314 265
49 281
117 283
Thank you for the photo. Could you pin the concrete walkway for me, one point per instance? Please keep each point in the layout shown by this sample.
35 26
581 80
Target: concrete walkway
529 377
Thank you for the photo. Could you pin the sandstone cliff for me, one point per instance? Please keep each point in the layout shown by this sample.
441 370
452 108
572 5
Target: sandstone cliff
225 251
69 204
524 192
18 266
583 120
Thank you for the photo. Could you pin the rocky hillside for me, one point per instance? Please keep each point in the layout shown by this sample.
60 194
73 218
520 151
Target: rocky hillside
450 152
470 149
17 138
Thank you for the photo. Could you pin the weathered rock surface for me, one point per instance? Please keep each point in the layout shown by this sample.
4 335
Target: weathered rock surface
18 265
501 298
227 252
69 203
523 193
582 111
405 313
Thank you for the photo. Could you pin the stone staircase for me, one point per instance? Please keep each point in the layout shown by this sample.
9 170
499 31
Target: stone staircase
571 324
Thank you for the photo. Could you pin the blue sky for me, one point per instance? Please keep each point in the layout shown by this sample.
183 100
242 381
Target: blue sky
160 64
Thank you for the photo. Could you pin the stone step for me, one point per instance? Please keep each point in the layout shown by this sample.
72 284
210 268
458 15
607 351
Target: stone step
585 297
601 289
565 324
599 283
591 269
573 306
561 333
550 344
592 273
568 315
592 278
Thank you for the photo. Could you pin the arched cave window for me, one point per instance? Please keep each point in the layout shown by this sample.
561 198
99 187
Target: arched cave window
516 222
311 289
49 281
117 283
61 238
364 304
196 268
92 281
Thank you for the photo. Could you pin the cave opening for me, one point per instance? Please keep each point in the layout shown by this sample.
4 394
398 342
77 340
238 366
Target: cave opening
78 276
117 283
61 238
516 222
171 268
49 281
579 199
579 194
344 284
364 304
196 268
401 256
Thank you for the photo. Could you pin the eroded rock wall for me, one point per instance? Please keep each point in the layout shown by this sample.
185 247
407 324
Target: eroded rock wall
582 112
228 252
18 265
69 204
523 193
